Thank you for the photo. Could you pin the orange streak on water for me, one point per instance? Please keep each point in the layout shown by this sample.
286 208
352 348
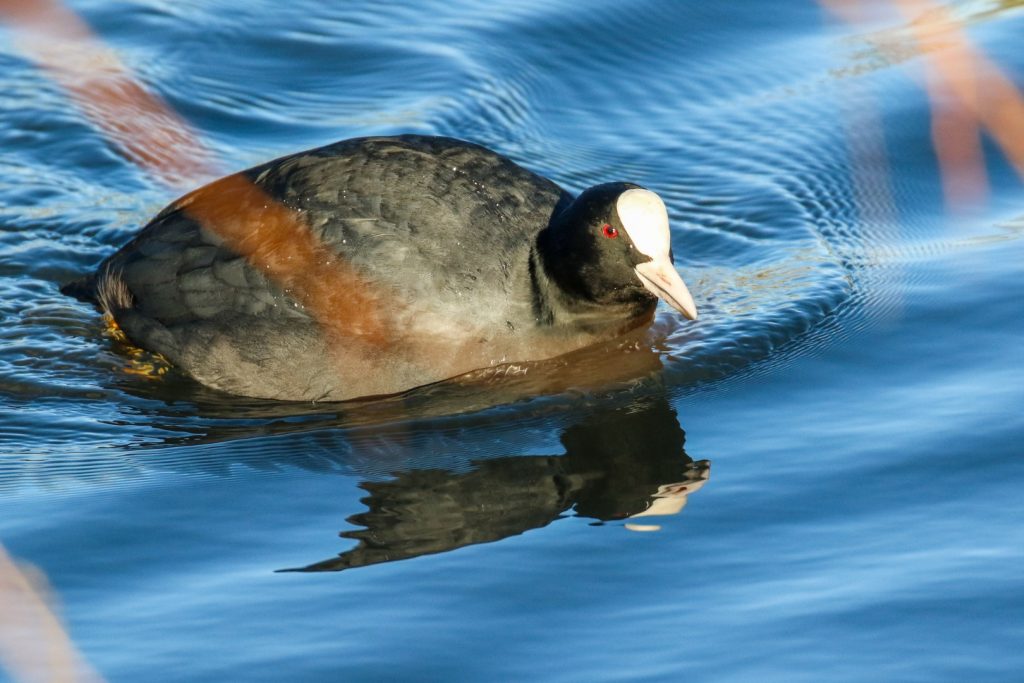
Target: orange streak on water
850 11
33 643
956 137
952 86
967 91
976 82
140 123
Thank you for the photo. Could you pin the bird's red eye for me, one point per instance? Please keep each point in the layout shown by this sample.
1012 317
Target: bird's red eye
609 231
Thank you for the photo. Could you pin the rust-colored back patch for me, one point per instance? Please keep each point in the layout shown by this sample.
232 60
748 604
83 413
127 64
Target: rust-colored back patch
275 240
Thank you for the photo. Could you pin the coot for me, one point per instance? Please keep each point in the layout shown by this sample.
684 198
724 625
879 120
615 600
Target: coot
375 265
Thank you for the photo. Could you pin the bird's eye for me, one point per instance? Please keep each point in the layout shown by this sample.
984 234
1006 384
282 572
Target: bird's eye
609 231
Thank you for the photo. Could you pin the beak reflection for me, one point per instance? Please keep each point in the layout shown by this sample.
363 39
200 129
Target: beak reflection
670 499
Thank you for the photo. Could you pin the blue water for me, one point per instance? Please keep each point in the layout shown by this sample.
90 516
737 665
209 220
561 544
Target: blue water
855 380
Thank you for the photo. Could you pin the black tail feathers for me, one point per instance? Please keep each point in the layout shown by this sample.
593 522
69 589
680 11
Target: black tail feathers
83 289
106 289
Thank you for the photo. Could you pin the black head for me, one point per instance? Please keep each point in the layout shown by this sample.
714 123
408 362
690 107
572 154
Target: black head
611 246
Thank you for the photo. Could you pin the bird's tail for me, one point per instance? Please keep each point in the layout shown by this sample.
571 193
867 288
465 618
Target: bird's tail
83 289
105 289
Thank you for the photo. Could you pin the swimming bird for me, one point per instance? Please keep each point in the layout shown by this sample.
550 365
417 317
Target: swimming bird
376 265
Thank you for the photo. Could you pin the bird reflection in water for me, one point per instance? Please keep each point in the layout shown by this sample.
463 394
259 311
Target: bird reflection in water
621 464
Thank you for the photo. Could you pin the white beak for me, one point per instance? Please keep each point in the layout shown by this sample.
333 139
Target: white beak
659 276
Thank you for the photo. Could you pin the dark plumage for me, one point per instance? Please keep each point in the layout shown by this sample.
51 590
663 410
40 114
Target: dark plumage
375 265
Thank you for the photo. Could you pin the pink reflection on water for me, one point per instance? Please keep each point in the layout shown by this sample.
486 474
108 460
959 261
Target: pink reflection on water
34 645
968 92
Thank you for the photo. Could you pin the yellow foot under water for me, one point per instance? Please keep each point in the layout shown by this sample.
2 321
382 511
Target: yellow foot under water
141 363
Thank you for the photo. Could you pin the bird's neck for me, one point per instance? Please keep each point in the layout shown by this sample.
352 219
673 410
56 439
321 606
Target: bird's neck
562 311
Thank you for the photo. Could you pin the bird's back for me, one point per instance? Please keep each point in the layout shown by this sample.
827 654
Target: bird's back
257 281
448 222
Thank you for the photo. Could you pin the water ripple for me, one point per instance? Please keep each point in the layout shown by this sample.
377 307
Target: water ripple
779 248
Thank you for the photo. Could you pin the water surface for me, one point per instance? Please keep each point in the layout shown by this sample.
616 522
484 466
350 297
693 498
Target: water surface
838 437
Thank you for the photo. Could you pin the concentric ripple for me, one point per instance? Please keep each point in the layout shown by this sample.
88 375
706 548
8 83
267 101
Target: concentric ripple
777 235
